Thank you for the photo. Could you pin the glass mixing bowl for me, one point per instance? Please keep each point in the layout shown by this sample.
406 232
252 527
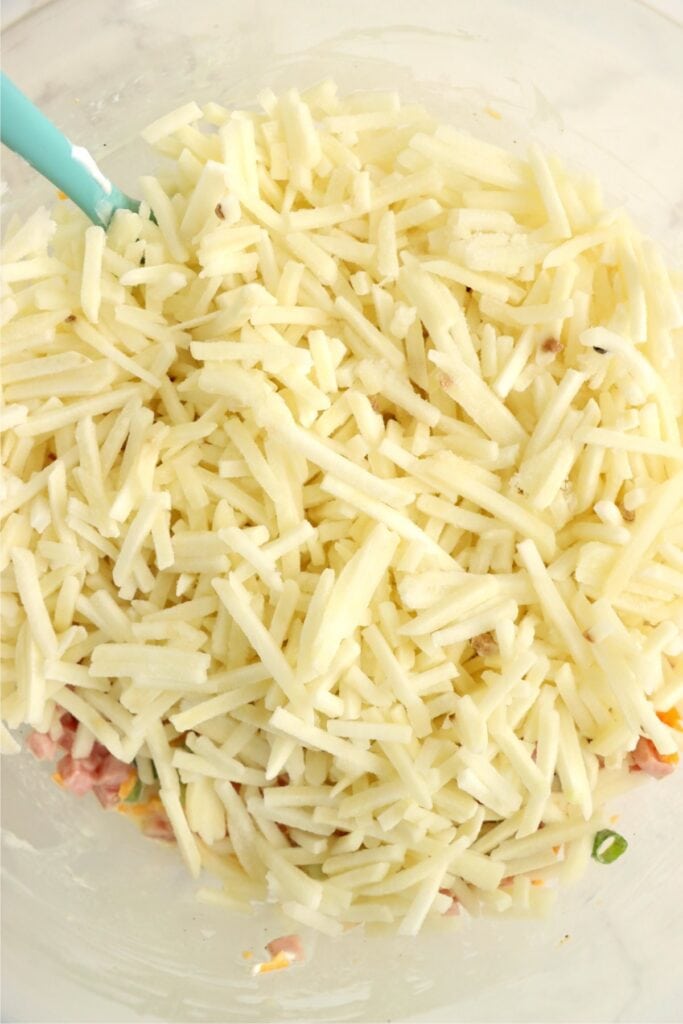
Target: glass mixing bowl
100 925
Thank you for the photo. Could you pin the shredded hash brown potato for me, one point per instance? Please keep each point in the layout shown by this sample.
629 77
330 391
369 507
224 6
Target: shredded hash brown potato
342 501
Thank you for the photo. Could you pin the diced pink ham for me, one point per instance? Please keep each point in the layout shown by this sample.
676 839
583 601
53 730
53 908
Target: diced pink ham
66 740
157 826
76 776
99 771
108 796
646 758
69 725
290 945
42 746
112 772
454 908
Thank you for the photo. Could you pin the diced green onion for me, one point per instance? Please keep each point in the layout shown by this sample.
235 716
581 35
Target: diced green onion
608 846
135 792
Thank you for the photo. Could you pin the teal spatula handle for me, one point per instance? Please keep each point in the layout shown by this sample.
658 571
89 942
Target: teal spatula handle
71 168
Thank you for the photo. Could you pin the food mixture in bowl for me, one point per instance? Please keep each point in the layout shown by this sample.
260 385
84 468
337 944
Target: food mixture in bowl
342 511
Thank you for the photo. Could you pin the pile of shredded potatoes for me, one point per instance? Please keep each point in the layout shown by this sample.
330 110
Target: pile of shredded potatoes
342 491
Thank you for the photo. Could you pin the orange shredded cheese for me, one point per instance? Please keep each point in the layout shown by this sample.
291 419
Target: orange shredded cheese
140 810
672 718
278 963
127 787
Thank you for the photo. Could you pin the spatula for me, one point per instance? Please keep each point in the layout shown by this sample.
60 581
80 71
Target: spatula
68 166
